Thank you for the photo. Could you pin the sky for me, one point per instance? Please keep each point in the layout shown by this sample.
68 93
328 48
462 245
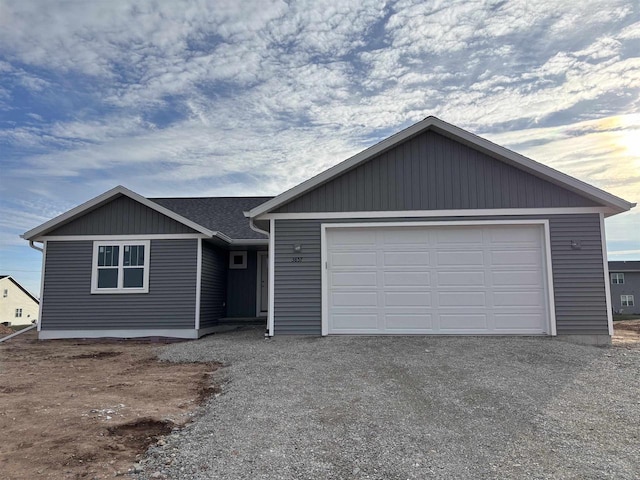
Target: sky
207 98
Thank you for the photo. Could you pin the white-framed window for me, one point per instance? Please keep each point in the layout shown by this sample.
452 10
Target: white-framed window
627 300
18 313
617 278
237 260
120 267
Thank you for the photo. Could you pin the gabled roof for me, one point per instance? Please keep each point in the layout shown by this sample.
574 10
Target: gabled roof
224 214
617 204
105 198
221 217
624 266
27 292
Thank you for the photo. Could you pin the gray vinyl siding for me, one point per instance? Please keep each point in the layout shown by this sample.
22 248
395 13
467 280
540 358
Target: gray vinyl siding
578 275
213 286
241 293
69 305
122 216
631 286
433 172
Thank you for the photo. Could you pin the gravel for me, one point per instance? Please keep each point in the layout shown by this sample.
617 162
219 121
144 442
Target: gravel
407 408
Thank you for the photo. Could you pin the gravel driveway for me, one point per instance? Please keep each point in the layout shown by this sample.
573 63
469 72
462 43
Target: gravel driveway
408 408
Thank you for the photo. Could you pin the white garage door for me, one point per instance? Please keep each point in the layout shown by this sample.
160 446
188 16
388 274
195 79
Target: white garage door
485 279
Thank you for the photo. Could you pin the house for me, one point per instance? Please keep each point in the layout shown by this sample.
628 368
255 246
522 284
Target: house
17 305
431 231
625 287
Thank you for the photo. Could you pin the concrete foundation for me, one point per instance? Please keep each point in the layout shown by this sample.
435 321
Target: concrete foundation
595 340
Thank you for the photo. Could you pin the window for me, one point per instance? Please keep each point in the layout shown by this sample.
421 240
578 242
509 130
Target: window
237 260
5 293
18 313
617 278
120 267
626 300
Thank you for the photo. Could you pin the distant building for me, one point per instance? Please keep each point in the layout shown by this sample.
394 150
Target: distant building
625 287
17 305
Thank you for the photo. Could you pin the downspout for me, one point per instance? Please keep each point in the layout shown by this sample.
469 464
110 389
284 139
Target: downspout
264 232
41 250
32 245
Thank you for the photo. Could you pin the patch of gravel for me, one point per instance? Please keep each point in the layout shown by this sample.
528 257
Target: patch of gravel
407 408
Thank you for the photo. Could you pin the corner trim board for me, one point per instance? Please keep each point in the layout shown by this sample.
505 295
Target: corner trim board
44 264
605 266
198 283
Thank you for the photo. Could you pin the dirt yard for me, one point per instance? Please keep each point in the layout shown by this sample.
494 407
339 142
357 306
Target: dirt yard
85 409
627 333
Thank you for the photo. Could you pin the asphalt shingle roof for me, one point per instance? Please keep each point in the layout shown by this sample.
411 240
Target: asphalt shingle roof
221 214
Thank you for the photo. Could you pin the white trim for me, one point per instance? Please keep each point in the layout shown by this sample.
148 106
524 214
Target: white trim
198 282
272 276
105 197
546 248
120 289
324 266
44 264
458 134
259 311
607 280
469 212
189 333
551 292
160 236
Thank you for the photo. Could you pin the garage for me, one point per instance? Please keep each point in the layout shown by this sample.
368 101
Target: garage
483 277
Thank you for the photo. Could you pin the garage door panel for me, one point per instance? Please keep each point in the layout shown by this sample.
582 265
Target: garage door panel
515 257
353 237
353 259
354 279
517 298
354 299
463 322
514 234
516 277
461 279
450 236
462 299
437 279
354 321
460 257
408 259
409 321
406 238
406 279
518 321
407 299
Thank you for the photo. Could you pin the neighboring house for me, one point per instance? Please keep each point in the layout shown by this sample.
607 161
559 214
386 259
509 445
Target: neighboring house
625 287
17 305
432 231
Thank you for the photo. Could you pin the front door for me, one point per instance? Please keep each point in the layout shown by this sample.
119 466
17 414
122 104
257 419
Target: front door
263 282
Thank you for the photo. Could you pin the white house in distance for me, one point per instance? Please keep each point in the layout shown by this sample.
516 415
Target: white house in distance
17 305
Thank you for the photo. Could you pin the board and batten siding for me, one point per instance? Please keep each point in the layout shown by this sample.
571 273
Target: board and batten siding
433 172
213 286
122 216
69 305
580 297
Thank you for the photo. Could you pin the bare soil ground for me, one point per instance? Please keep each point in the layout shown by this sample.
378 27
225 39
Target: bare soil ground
626 333
85 409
